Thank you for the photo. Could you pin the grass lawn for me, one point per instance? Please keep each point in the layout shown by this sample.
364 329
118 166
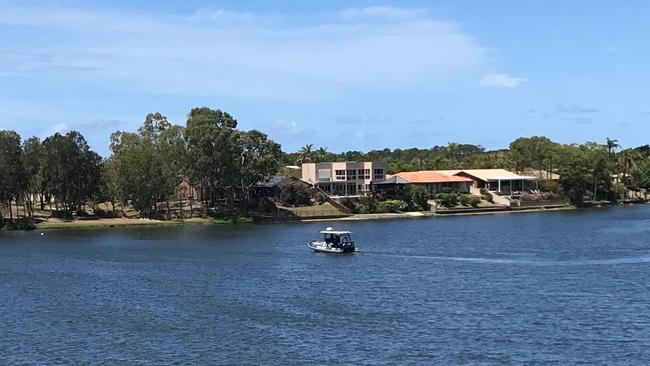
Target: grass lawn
316 211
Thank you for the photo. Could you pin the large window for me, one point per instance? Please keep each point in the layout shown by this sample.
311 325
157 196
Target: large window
340 174
379 174
366 174
352 174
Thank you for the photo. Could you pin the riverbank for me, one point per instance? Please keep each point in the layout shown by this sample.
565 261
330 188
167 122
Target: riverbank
54 224
424 214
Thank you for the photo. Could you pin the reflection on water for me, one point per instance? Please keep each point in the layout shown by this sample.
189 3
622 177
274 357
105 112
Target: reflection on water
545 288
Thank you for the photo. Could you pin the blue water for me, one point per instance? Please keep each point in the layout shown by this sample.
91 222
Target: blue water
557 288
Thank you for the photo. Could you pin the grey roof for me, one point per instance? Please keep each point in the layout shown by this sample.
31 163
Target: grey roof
273 182
395 179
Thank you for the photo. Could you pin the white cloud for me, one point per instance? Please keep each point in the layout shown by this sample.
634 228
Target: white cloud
501 80
58 128
224 53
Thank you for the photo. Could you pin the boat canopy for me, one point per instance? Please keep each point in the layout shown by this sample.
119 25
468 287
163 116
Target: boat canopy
329 230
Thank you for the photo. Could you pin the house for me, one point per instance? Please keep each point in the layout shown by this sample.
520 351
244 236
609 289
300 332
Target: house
497 180
272 186
188 190
344 179
433 181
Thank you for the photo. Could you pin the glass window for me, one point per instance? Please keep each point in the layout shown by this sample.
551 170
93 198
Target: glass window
367 174
352 174
360 173
340 174
379 174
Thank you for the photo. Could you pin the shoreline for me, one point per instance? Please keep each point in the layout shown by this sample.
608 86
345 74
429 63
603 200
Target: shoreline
126 223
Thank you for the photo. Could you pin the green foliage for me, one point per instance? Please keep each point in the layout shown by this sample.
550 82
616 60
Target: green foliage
447 199
294 194
474 201
392 206
417 198
71 170
365 205
463 199
486 195
12 171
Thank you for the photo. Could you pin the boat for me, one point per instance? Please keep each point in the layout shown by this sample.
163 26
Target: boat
334 242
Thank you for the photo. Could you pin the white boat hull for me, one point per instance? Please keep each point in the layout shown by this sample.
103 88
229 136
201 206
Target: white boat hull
322 247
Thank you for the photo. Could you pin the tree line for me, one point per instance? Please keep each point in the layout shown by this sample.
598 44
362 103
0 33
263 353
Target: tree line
589 171
62 174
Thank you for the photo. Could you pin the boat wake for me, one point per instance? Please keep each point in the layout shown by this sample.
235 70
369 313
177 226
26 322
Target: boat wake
525 262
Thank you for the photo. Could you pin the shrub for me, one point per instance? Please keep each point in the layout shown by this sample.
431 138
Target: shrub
392 206
474 201
447 199
294 194
463 199
366 205
486 195
447 190
416 198
349 203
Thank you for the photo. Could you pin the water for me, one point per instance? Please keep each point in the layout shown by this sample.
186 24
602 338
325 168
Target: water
537 289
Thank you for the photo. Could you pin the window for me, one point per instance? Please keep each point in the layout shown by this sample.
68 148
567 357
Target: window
340 174
379 174
324 174
367 173
360 173
352 174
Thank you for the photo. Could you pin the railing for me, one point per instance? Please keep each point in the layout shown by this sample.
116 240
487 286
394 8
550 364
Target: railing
318 213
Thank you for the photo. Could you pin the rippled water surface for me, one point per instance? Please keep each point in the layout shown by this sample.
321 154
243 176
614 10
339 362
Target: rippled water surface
536 289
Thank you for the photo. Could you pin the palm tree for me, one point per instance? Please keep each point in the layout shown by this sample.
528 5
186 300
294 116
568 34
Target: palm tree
611 145
306 154
321 154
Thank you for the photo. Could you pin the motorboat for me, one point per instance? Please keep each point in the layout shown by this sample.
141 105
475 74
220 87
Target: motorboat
334 242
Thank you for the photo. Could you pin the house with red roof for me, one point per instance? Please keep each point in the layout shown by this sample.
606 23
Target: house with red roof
433 181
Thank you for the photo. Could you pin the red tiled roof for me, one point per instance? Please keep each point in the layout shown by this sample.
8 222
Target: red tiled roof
429 176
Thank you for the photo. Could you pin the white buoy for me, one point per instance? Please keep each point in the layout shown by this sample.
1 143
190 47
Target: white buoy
42 234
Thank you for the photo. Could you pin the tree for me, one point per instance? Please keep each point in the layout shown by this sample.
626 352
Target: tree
33 162
294 193
306 154
12 173
258 160
146 167
211 151
611 144
71 171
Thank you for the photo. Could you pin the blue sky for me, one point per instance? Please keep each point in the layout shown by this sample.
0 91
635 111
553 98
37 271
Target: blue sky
347 75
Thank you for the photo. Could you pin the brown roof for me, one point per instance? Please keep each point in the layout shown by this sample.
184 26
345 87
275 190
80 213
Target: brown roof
430 176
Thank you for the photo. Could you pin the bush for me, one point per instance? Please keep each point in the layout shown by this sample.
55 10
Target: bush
447 190
366 205
417 198
392 206
486 195
549 186
294 194
474 201
447 199
463 199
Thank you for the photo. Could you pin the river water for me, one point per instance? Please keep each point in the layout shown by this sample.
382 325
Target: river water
554 288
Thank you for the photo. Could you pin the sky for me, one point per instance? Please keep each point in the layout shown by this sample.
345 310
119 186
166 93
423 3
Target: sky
346 75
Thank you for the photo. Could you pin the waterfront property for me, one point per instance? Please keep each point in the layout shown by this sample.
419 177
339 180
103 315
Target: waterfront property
433 181
344 179
497 180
